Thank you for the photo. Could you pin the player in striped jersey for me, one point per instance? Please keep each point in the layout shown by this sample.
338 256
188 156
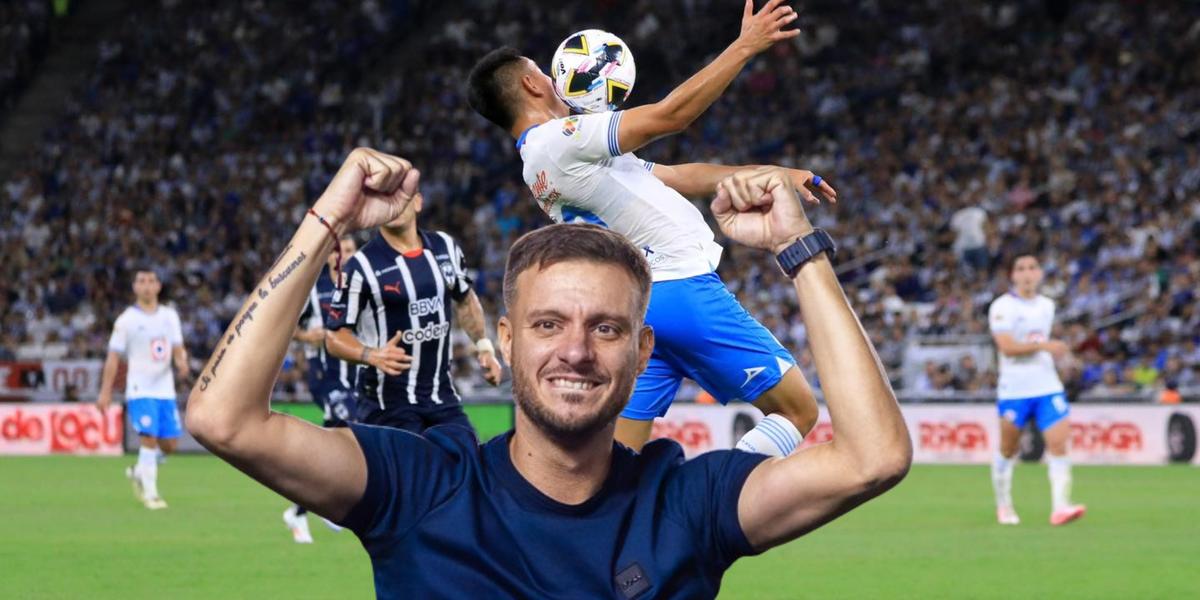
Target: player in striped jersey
331 381
391 315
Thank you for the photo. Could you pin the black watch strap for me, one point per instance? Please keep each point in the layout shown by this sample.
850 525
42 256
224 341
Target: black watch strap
804 249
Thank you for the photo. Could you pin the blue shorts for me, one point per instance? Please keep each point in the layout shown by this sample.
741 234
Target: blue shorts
1049 410
414 418
155 417
701 332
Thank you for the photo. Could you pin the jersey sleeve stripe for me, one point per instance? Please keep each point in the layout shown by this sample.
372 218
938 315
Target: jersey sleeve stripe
613 147
352 298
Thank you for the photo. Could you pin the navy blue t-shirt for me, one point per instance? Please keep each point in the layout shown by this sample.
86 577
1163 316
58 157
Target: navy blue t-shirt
443 517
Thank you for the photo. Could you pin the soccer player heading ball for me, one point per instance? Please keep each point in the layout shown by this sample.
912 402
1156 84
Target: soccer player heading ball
581 169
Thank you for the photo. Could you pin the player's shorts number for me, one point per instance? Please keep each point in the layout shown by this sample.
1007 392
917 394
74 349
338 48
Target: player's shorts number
1060 403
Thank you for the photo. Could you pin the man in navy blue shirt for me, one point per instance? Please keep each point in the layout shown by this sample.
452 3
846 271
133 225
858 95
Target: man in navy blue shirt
555 508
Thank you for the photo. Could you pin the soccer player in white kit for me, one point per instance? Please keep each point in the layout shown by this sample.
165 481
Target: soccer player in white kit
149 337
581 168
1020 322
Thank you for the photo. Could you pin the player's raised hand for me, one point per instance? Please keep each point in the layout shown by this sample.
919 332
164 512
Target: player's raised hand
759 208
370 189
391 358
491 367
762 29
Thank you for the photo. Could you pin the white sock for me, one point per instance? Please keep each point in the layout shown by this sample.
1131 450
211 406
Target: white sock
1060 481
1002 472
147 471
773 436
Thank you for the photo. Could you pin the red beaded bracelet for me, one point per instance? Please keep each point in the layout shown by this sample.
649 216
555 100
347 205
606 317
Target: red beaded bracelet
337 244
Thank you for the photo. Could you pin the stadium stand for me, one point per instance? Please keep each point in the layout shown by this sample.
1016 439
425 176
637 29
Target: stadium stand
24 40
972 132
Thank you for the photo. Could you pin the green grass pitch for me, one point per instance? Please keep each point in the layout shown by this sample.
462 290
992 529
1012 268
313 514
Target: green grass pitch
71 529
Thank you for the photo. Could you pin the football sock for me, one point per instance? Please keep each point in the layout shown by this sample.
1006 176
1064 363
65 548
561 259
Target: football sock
773 436
1060 481
147 471
1002 472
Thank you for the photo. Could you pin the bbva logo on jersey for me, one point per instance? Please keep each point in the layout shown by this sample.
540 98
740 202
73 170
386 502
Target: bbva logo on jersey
423 306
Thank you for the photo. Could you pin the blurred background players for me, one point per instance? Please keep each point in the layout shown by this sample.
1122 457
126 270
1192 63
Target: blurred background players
1029 386
391 315
331 381
148 336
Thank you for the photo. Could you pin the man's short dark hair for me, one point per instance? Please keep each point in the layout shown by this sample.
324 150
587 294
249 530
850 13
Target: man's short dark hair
491 87
144 268
553 244
1018 255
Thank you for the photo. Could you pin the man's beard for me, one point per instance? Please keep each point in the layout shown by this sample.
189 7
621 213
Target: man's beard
525 392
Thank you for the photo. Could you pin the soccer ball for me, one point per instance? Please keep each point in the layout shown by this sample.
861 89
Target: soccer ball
593 71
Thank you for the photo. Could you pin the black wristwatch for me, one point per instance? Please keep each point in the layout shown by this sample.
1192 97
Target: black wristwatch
804 249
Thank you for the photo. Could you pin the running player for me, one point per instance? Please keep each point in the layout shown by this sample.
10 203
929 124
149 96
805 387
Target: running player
582 168
331 381
148 336
1029 386
391 315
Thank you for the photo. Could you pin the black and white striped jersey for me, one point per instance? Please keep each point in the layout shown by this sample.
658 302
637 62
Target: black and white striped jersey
384 292
324 368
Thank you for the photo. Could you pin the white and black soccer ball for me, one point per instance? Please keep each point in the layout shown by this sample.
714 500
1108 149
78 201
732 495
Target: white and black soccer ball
593 71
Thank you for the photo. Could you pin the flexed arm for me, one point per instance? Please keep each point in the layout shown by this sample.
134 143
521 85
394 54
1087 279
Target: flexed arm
229 408
784 498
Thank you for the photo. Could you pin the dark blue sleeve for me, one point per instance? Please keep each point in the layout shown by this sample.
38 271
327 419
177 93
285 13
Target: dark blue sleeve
702 494
305 315
407 475
350 299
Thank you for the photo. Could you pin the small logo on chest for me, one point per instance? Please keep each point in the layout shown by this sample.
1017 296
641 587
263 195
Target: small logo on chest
632 581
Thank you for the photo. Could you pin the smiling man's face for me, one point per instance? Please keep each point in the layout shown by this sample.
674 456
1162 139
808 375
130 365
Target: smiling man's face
576 343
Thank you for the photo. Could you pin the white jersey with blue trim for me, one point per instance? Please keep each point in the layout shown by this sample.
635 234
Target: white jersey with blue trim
145 340
577 173
1030 375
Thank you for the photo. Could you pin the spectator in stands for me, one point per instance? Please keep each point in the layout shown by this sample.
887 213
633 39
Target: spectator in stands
970 238
1143 373
1111 385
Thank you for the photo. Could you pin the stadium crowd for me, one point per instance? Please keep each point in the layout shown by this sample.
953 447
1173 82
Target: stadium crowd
24 40
956 133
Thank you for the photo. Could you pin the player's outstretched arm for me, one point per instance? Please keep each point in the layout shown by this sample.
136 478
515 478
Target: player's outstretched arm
474 322
312 337
784 498
644 124
229 408
701 179
391 358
